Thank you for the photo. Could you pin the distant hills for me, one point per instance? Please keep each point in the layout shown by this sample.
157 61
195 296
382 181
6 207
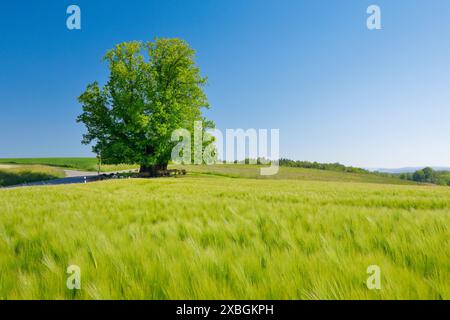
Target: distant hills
405 169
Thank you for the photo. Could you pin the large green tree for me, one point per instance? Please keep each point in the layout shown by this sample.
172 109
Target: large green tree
153 89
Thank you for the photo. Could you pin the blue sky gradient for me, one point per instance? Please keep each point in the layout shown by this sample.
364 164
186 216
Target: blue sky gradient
337 91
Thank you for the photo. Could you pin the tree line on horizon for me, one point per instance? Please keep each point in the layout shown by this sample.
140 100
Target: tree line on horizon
320 166
428 175
425 175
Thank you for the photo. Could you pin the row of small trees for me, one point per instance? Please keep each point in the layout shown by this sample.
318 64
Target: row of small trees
428 175
425 175
320 166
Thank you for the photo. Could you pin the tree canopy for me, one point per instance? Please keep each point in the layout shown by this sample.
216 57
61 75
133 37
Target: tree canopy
153 89
428 175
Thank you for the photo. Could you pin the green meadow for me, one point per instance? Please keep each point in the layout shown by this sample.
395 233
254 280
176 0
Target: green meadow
223 233
86 164
18 174
289 173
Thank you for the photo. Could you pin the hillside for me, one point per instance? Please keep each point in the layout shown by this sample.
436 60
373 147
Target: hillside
288 173
228 170
17 174
85 164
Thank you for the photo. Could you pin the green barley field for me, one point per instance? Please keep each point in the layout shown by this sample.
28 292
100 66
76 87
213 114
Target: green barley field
209 235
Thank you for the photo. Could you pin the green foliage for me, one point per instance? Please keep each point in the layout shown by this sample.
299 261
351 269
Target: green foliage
214 237
153 89
320 166
428 175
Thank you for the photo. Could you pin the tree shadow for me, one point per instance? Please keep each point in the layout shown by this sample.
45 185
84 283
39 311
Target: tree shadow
10 178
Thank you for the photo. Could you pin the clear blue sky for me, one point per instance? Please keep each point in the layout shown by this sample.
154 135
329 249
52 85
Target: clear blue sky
337 91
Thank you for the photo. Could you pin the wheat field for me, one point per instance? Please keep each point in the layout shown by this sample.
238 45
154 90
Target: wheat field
212 237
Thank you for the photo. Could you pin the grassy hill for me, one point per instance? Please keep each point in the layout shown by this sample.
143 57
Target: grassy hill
253 172
87 164
228 170
18 174
207 236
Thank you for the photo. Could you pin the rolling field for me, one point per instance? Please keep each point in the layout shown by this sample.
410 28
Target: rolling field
18 174
206 236
85 164
288 173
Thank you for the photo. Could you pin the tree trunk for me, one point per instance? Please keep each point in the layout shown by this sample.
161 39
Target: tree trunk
156 170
